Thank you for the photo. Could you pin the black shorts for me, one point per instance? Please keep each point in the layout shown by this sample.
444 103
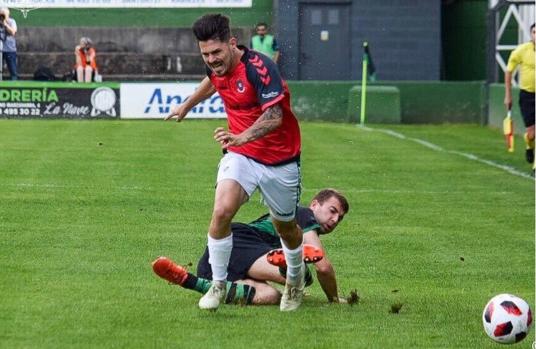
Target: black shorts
248 245
526 104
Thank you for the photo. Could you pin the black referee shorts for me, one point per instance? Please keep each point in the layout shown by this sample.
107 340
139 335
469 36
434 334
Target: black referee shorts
248 245
526 104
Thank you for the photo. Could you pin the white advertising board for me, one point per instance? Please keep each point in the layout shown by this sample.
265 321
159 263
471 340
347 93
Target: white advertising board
155 100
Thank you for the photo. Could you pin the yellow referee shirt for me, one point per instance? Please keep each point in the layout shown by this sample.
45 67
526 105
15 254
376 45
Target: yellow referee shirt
523 56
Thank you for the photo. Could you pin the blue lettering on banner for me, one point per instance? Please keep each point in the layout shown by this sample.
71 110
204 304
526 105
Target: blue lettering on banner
164 103
172 100
157 94
215 105
216 101
163 108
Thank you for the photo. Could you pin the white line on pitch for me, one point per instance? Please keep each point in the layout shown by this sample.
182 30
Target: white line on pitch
389 191
435 147
62 186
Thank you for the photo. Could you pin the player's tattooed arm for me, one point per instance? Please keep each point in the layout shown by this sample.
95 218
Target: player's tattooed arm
271 119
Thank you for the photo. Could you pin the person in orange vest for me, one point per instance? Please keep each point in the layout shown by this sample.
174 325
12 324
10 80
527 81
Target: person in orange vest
86 63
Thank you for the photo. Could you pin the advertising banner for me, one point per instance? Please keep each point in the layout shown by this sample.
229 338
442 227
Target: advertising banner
58 101
125 3
155 100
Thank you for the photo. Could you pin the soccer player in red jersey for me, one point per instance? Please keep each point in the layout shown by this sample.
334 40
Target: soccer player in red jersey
262 151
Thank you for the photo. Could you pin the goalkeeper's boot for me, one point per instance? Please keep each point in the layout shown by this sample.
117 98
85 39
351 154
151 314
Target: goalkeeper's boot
215 295
311 254
168 270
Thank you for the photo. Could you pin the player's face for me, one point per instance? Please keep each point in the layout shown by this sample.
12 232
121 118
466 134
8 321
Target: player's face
261 30
218 55
328 214
533 34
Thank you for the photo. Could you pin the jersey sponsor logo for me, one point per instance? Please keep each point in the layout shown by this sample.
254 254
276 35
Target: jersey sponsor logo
261 69
240 86
270 94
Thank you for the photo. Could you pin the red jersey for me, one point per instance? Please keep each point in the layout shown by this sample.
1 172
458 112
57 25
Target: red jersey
247 91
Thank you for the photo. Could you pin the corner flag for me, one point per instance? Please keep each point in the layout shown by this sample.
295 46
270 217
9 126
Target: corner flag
368 74
371 69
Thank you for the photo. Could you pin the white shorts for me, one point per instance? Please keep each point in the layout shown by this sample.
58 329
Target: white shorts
280 186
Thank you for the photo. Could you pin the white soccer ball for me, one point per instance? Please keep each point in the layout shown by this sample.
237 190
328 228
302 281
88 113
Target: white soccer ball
507 318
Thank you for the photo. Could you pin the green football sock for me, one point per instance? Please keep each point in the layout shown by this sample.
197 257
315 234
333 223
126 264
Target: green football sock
236 293
239 293
195 283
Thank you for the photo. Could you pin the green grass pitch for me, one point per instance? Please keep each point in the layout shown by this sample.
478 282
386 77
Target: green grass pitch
85 206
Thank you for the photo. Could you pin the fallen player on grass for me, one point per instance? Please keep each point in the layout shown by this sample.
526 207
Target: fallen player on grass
257 258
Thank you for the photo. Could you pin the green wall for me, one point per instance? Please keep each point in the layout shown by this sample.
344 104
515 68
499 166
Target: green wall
420 101
441 101
261 11
382 105
464 39
320 100
56 84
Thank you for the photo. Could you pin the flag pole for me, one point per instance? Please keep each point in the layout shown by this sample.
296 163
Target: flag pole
364 85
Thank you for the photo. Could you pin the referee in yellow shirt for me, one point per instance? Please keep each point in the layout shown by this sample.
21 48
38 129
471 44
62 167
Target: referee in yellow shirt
523 56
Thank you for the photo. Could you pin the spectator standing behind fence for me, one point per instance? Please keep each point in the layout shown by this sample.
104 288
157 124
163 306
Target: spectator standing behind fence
264 42
9 48
86 61
523 56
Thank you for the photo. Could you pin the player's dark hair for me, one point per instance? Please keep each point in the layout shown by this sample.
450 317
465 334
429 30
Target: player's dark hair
261 24
327 194
212 27
532 26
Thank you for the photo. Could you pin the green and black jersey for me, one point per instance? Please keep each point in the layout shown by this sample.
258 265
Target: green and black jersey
252 241
304 216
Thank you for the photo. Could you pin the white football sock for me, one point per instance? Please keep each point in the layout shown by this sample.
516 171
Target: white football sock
294 260
219 252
